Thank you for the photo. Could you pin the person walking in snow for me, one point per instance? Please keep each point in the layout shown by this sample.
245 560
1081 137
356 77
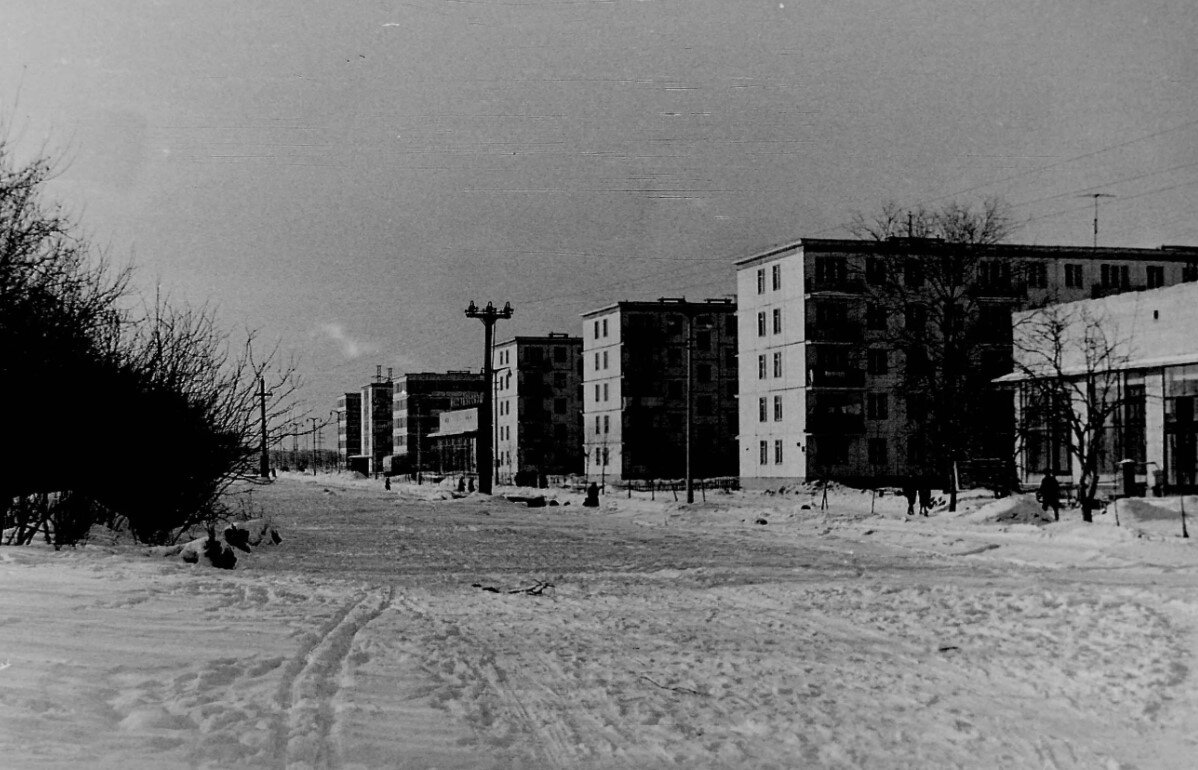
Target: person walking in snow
1050 495
925 496
909 492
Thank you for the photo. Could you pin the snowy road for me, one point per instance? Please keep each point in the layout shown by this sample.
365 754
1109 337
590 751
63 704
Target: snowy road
671 637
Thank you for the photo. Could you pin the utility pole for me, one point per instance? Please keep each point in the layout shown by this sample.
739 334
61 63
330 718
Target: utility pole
488 315
313 419
690 402
264 463
1096 196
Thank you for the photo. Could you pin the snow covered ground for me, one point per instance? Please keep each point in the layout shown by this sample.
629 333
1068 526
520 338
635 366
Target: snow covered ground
389 630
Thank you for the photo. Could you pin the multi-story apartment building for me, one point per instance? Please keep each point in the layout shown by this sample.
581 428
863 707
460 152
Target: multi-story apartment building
822 393
376 424
636 359
349 427
538 409
419 397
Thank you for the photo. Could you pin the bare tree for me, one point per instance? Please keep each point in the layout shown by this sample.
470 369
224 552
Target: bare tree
1071 363
941 297
113 413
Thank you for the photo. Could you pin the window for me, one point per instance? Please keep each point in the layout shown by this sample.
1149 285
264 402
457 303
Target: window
1116 276
596 362
875 316
607 423
778 364
598 424
559 406
762 409
596 330
559 380
994 274
597 391
913 274
761 281
730 325
703 341
875 271
605 359
778 451
1037 275
877 406
604 327
761 367
1074 278
559 431
777 320
730 357
703 405
830 272
606 394
559 354
878 454
1156 276
703 372
777 408
765 452
761 324
877 361
776 270
915 317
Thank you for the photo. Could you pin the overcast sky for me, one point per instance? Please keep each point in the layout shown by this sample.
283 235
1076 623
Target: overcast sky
346 176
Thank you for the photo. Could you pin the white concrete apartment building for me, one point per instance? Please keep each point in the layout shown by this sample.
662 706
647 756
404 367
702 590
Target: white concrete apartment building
1154 388
821 391
634 357
538 407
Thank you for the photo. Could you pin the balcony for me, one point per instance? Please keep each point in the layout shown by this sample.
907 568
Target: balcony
835 378
846 331
837 285
844 424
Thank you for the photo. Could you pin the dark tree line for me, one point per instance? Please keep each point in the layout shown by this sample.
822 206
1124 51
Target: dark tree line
120 411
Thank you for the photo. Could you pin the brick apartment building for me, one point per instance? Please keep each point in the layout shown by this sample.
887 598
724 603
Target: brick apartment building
635 364
419 398
538 409
821 390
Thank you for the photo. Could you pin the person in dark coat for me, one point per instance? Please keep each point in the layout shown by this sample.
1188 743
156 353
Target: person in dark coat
925 496
1050 495
909 492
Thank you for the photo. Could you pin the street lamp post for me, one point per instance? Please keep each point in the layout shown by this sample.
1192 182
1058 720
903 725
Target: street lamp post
488 315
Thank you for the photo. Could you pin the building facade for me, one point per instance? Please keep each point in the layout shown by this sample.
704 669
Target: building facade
1145 382
822 392
639 360
349 427
376 425
419 399
454 444
538 409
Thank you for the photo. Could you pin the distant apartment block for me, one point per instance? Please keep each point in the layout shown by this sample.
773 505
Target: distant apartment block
349 427
636 357
821 389
376 424
538 408
419 399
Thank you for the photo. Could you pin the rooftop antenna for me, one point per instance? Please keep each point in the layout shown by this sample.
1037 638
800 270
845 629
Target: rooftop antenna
1096 196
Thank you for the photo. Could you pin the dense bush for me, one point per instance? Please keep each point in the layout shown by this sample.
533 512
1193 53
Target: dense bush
143 416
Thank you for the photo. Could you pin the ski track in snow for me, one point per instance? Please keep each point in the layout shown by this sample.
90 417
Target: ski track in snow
672 637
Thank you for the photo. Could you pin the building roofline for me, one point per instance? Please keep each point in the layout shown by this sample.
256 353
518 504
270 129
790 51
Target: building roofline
714 304
1170 252
550 338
